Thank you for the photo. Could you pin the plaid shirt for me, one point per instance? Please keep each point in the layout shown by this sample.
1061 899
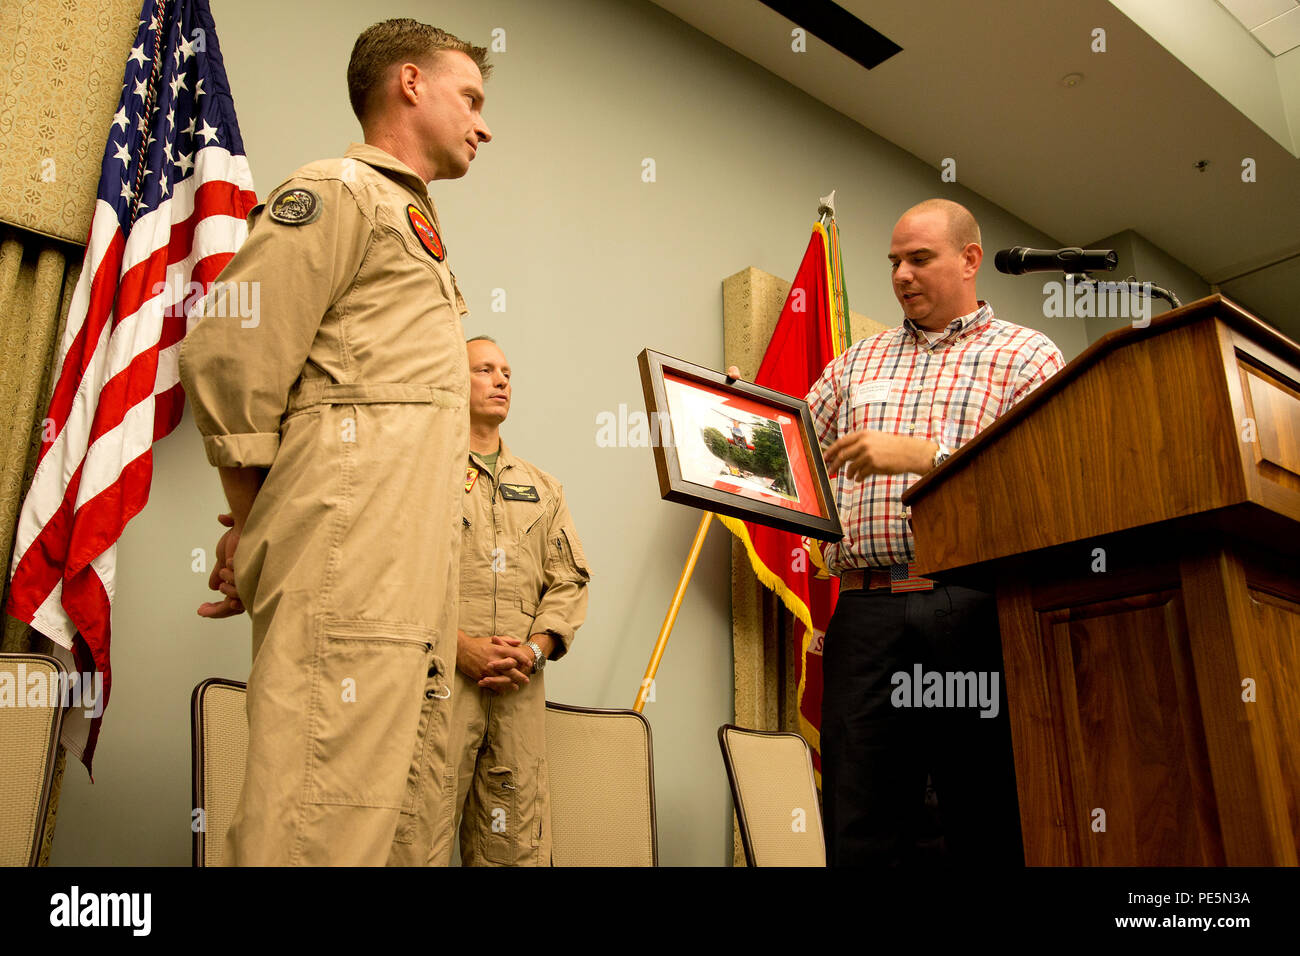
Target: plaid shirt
945 391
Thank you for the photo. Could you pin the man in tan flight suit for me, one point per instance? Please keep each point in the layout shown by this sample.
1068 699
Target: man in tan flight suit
523 594
330 413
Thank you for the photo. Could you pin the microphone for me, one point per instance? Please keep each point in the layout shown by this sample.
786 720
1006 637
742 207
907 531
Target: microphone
1021 259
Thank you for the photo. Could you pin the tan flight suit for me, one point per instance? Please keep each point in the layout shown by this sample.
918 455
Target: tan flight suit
522 572
352 387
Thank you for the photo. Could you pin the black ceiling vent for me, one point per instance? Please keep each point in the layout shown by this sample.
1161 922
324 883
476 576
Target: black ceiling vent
832 24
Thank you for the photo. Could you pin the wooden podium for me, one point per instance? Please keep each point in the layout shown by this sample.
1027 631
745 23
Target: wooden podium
1138 517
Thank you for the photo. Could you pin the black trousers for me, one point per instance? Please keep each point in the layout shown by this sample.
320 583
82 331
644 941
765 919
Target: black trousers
876 754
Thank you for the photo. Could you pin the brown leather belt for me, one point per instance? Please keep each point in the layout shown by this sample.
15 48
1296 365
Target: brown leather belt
856 579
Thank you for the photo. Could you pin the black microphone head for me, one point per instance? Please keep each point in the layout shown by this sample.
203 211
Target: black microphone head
1005 261
1019 260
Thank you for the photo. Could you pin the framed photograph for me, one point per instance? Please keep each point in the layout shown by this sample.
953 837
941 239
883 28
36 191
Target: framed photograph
737 449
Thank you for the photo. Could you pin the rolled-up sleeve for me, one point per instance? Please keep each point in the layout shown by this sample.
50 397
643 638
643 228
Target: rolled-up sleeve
251 334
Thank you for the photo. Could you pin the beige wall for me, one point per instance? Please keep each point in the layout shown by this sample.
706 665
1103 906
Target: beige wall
596 265
1140 257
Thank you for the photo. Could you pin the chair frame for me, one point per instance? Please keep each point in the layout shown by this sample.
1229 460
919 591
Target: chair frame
745 839
196 700
650 761
199 842
51 754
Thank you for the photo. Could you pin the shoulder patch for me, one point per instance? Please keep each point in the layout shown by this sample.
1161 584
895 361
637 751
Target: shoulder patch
295 207
425 232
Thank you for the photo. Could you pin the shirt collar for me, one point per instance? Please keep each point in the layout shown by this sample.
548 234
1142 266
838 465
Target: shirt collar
505 459
394 167
959 327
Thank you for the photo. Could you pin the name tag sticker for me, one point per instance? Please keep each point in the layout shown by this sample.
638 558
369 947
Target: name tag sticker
868 393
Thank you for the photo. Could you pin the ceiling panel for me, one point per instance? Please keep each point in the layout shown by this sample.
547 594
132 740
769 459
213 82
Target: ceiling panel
1141 143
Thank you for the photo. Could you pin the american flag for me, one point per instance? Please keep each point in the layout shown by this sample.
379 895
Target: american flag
174 191
903 577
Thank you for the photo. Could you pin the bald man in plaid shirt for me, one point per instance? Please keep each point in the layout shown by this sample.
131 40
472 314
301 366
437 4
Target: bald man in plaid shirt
888 410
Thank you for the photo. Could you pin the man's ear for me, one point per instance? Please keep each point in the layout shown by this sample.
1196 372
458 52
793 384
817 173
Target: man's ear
972 255
408 81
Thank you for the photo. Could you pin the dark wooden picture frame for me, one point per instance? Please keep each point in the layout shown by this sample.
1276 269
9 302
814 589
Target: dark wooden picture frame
825 525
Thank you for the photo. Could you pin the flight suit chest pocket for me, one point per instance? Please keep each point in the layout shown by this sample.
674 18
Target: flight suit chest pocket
404 250
532 558
466 550
367 691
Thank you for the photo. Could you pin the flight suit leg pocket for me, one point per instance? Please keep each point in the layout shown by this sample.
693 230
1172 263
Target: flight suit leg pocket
513 816
367 694
498 815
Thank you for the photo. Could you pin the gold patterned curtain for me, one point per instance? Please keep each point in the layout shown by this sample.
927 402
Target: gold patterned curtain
61 64
37 278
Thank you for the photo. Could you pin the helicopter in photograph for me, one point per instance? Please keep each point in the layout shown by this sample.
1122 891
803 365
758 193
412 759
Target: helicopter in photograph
737 434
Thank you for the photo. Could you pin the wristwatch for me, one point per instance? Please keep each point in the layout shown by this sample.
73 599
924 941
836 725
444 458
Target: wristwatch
539 659
940 456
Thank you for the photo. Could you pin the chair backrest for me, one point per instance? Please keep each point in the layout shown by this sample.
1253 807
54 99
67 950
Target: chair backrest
31 716
219 733
602 787
775 793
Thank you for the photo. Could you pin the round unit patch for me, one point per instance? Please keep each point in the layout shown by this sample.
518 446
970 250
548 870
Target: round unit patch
296 207
425 232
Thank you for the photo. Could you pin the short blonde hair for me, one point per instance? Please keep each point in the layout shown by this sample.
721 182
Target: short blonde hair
402 40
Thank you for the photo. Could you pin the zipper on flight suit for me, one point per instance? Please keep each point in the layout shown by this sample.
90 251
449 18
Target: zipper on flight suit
496 485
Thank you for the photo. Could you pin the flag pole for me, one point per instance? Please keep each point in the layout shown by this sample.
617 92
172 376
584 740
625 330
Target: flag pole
673 608
825 209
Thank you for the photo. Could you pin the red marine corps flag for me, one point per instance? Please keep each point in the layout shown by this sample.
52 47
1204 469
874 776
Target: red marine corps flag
812 330
174 191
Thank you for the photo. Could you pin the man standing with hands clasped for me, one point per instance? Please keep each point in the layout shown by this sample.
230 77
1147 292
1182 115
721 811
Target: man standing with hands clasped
338 419
891 408
523 594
